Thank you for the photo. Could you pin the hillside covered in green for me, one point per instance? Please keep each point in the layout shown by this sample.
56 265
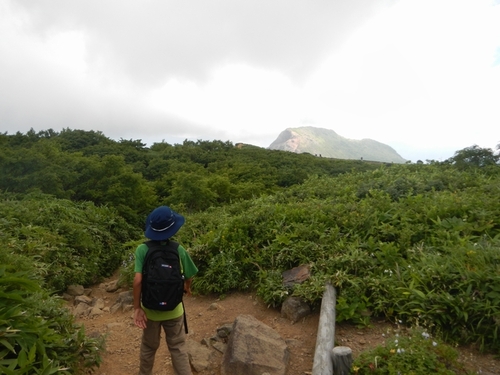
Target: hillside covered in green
415 243
132 178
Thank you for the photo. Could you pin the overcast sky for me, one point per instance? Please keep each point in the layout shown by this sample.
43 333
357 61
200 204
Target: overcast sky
422 76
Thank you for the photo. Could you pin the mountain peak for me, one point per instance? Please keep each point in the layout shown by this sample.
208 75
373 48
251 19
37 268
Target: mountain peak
327 143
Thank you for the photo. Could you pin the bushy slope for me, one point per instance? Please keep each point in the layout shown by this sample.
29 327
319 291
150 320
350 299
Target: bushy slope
420 244
413 243
133 179
45 245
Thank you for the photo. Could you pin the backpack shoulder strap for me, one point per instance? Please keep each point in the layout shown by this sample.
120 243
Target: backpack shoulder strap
154 246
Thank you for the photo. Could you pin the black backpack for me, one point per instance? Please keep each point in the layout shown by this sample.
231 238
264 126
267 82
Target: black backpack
162 277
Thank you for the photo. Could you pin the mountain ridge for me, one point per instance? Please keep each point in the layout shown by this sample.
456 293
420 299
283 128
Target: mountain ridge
327 143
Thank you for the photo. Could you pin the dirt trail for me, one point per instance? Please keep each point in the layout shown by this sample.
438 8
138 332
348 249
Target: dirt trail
207 313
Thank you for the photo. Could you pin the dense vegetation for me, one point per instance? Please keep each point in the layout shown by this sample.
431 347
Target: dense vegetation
416 243
413 243
45 245
87 166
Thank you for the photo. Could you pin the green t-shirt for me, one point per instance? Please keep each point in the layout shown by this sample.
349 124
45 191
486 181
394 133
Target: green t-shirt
189 269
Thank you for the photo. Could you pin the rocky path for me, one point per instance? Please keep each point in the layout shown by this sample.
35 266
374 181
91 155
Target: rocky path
207 313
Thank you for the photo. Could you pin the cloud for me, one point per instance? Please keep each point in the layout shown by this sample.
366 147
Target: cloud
419 76
149 42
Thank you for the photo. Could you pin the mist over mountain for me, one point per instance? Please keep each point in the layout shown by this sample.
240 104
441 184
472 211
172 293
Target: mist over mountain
327 143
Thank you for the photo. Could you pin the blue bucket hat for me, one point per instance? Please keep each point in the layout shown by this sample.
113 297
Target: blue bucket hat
162 223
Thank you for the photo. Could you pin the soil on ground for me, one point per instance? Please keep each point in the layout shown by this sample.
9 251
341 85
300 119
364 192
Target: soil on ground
121 353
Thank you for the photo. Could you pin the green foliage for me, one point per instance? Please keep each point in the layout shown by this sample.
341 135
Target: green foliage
417 243
474 157
45 245
414 352
403 249
41 167
110 181
61 241
127 273
193 191
270 287
38 335
87 166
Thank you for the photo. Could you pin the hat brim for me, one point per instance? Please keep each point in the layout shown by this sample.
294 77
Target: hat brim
166 234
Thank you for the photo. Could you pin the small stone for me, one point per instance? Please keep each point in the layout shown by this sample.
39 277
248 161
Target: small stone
113 309
224 331
81 309
94 311
75 290
67 297
294 309
82 299
296 275
219 346
99 303
214 306
111 287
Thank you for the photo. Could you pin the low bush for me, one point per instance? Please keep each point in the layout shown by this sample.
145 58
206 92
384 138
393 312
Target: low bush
74 243
414 352
402 248
38 334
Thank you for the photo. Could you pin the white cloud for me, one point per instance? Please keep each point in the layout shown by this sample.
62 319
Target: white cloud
239 99
419 75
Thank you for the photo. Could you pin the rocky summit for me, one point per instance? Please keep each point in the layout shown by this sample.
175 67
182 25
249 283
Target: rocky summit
327 143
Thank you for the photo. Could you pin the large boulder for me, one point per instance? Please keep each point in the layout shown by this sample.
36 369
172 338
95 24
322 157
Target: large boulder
254 348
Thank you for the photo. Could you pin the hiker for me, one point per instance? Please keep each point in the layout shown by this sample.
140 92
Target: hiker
161 224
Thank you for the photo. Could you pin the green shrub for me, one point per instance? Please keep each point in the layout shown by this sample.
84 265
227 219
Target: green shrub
37 334
414 352
403 248
74 243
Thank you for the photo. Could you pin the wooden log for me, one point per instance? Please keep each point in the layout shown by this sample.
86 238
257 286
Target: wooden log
322 364
342 360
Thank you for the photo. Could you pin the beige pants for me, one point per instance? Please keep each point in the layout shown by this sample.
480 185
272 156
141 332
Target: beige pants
176 339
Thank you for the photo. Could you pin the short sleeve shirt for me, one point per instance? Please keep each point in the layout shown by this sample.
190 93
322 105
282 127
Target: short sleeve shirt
189 269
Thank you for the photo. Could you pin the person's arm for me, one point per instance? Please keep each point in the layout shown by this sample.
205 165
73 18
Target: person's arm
140 318
189 269
187 286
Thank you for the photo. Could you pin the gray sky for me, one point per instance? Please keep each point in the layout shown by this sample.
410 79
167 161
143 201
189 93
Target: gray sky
422 76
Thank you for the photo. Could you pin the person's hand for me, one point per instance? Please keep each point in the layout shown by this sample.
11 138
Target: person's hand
140 318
